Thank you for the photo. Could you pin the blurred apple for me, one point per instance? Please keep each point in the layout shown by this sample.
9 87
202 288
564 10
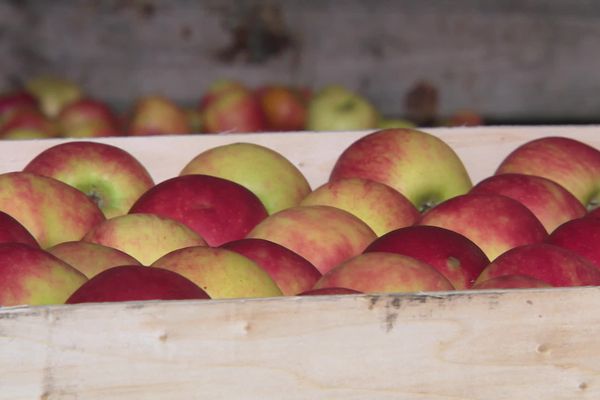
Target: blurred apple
390 123
32 276
324 235
29 120
290 271
221 273
284 107
465 118
378 205
384 273
217 209
234 111
52 211
195 121
53 93
335 108
269 175
511 282
12 231
24 134
328 291
217 88
157 115
145 237
91 258
111 177
86 118
580 235
419 165
136 283
12 101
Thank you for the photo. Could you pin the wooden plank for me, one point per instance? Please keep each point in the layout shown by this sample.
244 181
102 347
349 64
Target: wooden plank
520 344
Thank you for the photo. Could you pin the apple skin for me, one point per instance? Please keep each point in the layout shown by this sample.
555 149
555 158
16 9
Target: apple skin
581 235
277 182
335 108
328 291
511 282
284 107
53 93
110 176
381 207
145 237
384 273
551 203
392 123
28 119
32 276
136 283
86 118
234 111
290 271
493 222
324 235
218 209
450 253
419 165
157 115
569 162
546 262
222 273
12 231
218 88
52 211
91 258
12 101
465 118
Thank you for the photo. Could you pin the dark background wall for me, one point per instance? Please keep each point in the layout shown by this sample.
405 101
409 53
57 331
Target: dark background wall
528 60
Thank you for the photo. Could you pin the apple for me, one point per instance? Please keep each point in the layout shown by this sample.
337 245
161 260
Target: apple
145 237
335 108
91 258
53 93
384 273
580 235
511 282
136 283
24 134
569 162
12 101
157 115
324 235
594 213
494 222
390 123
194 118
284 107
290 271
218 88
452 254
546 262
32 276
234 111
52 211
551 203
27 119
217 209
419 165
465 118
269 175
328 291
12 231
381 207
86 118
111 177
222 273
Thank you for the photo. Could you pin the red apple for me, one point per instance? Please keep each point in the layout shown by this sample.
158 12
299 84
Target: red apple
328 291
324 235
88 118
28 119
12 101
157 115
495 223
452 254
218 209
136 283
234 111
284 107
218 88
511 282
581 235
12 231
384 273
290 271
465 118
548 263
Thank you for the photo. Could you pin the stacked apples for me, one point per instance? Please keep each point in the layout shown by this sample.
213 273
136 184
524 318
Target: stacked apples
83 221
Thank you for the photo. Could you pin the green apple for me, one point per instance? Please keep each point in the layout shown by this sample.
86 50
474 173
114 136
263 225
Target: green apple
335 108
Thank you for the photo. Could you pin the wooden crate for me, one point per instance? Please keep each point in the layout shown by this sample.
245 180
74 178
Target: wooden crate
512 344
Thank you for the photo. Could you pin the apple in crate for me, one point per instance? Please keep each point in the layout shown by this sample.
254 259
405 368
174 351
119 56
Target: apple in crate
417 164
234 111
384 273
145 237
284 107
218 209
515 281
26 123
495 223
581 235
91 258
12 101
136 283
545 262
551 203
222 273
52 211
324 235
329 291
450 253
268 174
290 271
53 93
157 115
218 88
569 162
32 276
86 118
378 205
111 177
12 231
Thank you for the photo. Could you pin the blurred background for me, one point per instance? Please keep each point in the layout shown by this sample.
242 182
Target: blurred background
510 62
